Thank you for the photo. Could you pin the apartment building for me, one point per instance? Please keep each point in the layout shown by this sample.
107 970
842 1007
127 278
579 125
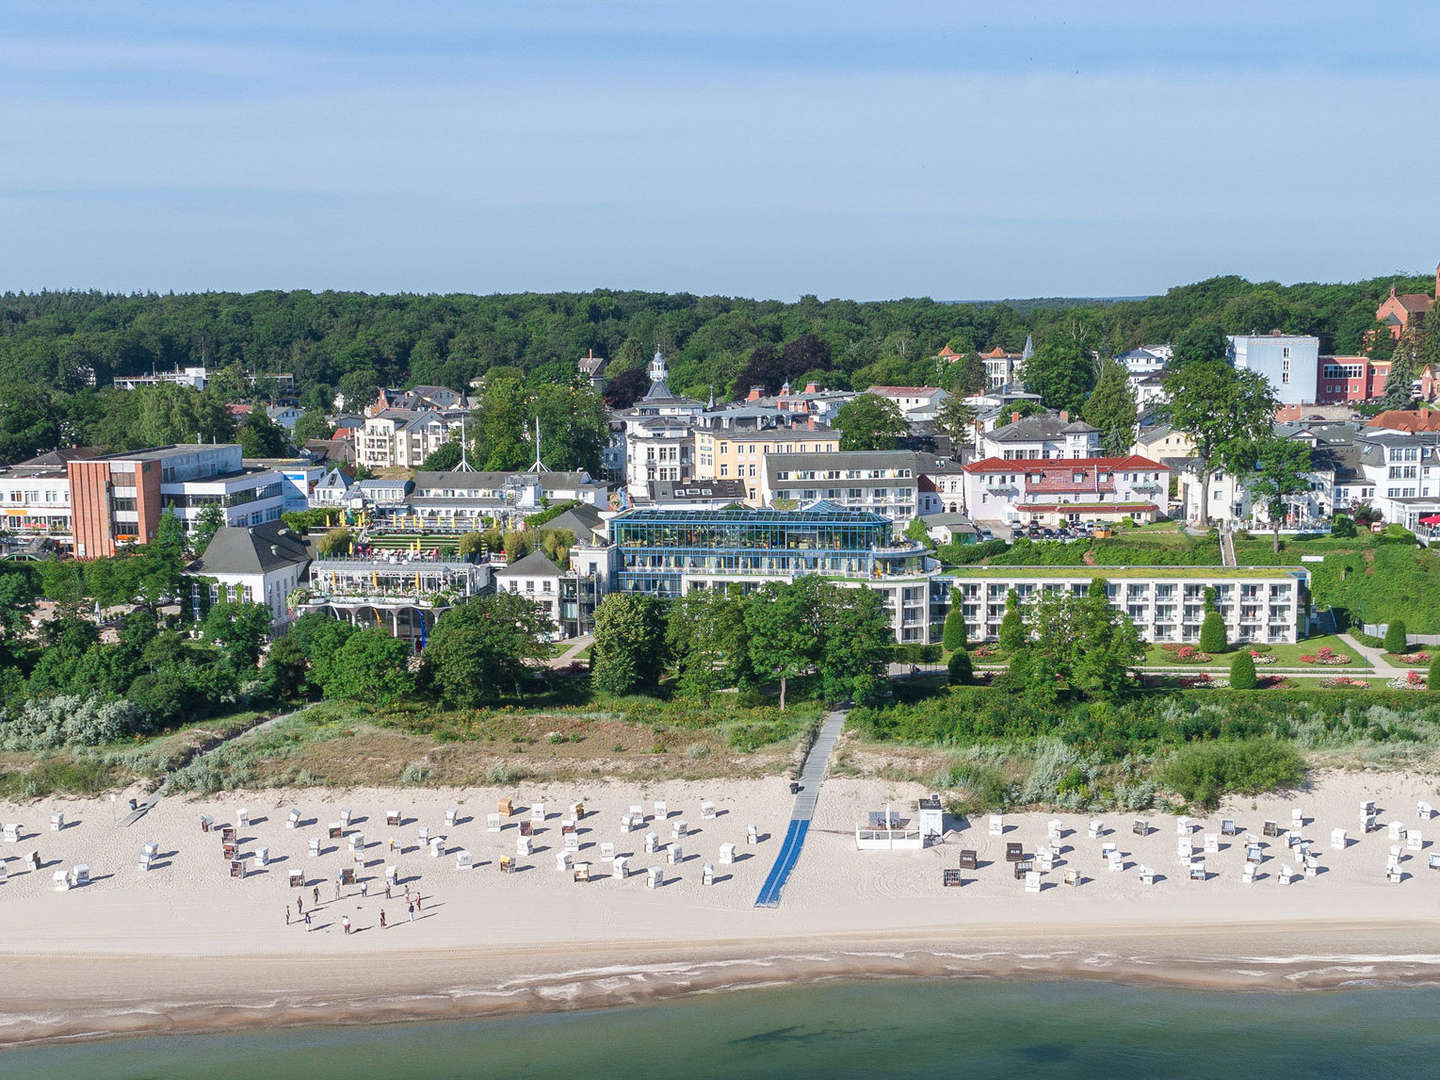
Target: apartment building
914 402
657 448
1289 362
1042 436
1350 378
884 482
404 438
740 454
1054 491
669 553
1166 603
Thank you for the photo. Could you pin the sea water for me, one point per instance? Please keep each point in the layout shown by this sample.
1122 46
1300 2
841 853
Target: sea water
892 1028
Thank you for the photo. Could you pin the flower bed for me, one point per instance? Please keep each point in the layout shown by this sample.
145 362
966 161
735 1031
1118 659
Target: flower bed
1414 659
1344 682
980 652
1261 658
1186 654
1412 680
1326 656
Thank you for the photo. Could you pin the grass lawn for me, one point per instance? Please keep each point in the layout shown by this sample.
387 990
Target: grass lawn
1286 657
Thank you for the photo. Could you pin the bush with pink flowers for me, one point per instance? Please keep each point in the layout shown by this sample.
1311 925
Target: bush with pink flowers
1326 656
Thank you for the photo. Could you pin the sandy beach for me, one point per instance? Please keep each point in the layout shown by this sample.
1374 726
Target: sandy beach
186 947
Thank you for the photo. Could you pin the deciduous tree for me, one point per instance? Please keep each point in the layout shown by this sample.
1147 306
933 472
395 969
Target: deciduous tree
484 648
870 422
629 649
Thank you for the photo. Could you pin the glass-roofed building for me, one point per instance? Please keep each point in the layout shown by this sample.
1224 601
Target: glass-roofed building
671 552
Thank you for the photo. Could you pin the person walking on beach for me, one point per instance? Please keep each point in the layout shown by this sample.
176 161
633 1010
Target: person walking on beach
337 888
382 918
300 903
412 912
316 894
287 914
365 888
307 921
345 922
387 890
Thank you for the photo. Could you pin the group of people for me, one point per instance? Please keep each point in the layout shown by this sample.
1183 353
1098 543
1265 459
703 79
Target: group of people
412 905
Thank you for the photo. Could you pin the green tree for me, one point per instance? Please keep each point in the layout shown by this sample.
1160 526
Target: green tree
779 621
855 642
371 666
1106 646
629 649
870 422
1224 412
484 648
1061 373
444 457
953 637
1200 343
304 658
501 442
1404 361
1397 639
261 437
957 420
705 633
1242 671
1212 627
240 627
574 426
962 670
313 424
1282 472
335 542
1012 624
1111 408
210 521
1343 526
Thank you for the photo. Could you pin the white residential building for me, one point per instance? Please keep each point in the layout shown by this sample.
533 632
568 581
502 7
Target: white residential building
259 565
914 402
1041 436
885 482
1290 362
1054 491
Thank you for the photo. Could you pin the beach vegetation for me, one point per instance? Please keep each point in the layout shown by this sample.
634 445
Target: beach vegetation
1201 773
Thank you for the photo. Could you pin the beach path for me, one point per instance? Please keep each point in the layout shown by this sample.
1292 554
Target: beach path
810 776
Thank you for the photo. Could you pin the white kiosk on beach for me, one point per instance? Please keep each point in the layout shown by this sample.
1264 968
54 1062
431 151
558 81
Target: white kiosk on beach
884 831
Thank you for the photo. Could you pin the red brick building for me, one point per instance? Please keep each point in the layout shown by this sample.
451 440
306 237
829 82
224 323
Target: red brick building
1350 378
1397 311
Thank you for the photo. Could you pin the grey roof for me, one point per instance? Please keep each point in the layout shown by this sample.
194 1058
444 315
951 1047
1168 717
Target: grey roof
1153 434
697 490
536 564
1039 427
335 478
581 524
256 550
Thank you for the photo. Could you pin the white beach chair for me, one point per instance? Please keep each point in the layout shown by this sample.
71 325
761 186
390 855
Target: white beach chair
1108 848
464 860
653 877
451 813
562 860
1197 870
1053 828
1095 828
679 829
537 812
1140 826
392 874
1247 875
1184 850
674 855
1147 875
1292 839
1032 882
357 841
1116 862
626 823
1434 861
1397 831
12 832
424 834
1370 823
292 820
314 846
344 819
61 880
1312 866
997 825
1423 810
81 874
1212 843
607 850
1338 839
637 813
145 859
1043 861
1227 827
242 818
32 860
652 843
296 879
662 810
1414 840
1182 826
707 874
752 834
707 810
262 856
392 819
523 845
727 853
571 841
57 822
1286 873
620 868
1394 876
492 822
437 846
1297 818
1254 853
152 849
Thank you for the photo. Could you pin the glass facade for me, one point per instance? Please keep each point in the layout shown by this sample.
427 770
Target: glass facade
658 547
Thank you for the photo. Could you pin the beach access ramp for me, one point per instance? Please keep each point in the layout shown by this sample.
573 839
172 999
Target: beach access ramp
810 776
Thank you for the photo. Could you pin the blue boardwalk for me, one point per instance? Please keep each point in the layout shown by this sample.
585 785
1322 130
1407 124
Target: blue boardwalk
810 777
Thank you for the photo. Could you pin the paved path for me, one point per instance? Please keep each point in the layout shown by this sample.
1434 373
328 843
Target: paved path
573 648
1227 548
1375 658
810 777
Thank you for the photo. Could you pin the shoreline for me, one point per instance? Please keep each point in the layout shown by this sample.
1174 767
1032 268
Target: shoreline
68 998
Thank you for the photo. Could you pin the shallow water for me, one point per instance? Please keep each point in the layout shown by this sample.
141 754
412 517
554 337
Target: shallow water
890 1028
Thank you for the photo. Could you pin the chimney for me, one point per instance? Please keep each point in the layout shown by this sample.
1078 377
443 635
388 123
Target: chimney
755 393
1064 416
810 423
1014 418
810 386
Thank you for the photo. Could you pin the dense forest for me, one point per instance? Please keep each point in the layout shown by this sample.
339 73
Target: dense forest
51 342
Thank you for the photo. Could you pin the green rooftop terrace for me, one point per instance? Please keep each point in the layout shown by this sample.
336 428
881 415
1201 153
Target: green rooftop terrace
1085 573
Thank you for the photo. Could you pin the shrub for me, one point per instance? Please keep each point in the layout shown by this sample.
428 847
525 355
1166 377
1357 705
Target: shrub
1242 671
954 636
1342 526
50 723
1396 640
1212 632
962 671
1432 678
1202 772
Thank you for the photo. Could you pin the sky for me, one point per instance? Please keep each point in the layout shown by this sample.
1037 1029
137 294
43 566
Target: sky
764 148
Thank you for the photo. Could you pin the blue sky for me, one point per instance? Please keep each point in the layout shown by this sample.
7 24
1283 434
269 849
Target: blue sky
866 150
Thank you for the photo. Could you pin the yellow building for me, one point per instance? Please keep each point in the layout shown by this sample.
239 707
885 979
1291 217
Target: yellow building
740 455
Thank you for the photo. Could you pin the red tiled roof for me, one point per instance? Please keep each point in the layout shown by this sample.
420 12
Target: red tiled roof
902 390
1083 506
1407 420
1134 462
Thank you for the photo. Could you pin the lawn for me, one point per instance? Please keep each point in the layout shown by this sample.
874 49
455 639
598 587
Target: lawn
1287 657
